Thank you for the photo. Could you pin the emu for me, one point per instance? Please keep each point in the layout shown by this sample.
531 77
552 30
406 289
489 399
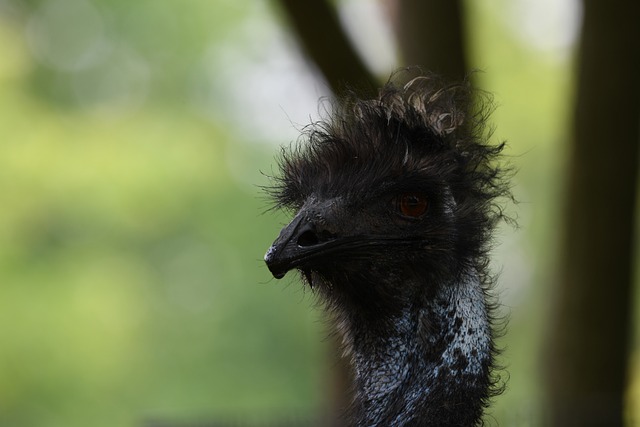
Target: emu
394 201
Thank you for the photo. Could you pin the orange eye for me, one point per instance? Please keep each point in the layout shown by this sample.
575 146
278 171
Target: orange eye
413 205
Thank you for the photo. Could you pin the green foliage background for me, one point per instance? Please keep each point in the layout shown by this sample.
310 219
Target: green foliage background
131 235
131 281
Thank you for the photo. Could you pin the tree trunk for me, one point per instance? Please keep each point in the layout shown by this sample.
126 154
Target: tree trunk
591 328
432 36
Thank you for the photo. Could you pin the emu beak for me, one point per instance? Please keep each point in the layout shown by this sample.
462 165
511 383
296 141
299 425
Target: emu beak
298 243
281 256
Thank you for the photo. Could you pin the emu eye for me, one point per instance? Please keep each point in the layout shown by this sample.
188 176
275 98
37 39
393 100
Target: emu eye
412 205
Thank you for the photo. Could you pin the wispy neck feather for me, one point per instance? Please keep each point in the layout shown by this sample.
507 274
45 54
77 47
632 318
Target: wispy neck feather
431 368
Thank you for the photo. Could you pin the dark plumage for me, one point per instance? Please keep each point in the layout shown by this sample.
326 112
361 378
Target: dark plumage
395 201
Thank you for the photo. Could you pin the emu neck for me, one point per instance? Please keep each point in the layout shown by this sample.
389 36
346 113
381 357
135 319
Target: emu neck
430 367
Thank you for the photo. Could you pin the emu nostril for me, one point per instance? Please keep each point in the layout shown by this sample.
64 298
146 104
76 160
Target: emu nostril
308 238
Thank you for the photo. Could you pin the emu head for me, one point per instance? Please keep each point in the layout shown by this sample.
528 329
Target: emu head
393 197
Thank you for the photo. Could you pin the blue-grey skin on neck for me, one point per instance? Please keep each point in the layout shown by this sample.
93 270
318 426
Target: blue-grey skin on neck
431 369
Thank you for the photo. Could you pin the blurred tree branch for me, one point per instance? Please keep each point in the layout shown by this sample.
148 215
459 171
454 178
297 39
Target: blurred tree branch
318 29
592 324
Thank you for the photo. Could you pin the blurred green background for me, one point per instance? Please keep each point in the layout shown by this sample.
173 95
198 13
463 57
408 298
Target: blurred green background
134 138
